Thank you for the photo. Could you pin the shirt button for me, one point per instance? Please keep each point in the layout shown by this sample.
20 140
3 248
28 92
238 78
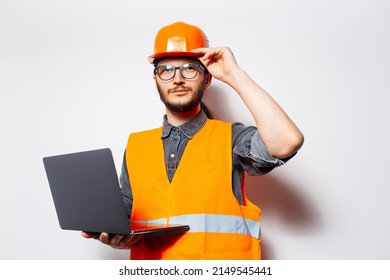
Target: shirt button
172 155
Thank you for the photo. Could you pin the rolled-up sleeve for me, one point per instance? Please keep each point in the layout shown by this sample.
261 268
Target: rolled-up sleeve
250 153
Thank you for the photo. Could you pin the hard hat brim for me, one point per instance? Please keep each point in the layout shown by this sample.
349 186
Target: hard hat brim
152 57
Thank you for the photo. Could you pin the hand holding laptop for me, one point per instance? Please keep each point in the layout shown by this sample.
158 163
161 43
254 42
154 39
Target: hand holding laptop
116 241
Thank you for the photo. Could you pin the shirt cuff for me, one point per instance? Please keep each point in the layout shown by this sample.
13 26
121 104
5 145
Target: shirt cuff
256 159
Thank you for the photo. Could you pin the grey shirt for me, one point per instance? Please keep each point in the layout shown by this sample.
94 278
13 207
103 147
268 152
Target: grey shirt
248 151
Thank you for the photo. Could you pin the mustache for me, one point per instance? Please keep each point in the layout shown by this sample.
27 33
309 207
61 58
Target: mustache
179 88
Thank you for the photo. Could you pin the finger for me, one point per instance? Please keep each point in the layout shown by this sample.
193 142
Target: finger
212 56
104 237
87 234
131 239
209 53
200 51
126 239
116 239
206 53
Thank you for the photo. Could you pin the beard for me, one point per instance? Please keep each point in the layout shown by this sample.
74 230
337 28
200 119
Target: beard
182 107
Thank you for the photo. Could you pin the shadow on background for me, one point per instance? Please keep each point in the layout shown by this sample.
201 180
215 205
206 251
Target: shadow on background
283 201
277 198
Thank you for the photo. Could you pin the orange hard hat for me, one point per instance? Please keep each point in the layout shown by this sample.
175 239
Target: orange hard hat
178 39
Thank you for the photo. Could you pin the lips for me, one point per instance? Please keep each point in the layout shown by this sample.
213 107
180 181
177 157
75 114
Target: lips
180 90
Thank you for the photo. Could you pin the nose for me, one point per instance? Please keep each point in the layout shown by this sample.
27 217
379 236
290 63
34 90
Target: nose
178 78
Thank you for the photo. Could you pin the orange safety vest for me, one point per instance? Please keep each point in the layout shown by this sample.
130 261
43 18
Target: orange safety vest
199 195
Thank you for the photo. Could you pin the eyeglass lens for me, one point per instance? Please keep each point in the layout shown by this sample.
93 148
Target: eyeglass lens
167 72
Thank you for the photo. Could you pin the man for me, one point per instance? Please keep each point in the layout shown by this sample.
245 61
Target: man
191 170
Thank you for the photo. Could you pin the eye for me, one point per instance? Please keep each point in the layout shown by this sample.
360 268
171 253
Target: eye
189 67
164 69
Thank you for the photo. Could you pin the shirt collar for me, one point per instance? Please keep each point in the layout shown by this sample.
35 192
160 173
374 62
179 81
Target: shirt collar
189 128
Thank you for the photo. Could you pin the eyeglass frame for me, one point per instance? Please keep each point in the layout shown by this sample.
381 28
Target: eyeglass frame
180 68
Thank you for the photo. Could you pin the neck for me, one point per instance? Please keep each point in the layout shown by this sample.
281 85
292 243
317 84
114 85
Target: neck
178 118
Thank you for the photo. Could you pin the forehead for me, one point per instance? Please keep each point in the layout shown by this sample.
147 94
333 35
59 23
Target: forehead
177 60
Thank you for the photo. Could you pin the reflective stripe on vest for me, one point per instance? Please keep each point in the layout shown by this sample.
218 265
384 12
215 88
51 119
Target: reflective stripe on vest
213 223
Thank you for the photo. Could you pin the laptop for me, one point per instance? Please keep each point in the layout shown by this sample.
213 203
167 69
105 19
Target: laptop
87 195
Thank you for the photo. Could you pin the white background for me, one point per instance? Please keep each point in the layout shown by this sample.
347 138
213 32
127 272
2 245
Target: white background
74 76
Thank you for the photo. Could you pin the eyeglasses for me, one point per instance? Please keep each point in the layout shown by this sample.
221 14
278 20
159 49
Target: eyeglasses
188 71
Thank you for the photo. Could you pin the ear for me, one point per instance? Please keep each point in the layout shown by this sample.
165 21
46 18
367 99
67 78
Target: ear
154 72
207 81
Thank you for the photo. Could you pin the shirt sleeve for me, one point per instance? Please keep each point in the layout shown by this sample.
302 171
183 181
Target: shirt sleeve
250 153
127 194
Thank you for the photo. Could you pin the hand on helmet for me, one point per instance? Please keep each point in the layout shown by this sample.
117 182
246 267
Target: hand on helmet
220 62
